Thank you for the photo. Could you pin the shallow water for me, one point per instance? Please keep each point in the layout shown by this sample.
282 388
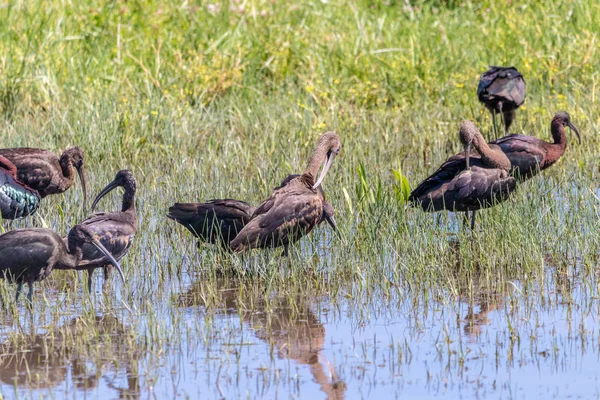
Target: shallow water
522 339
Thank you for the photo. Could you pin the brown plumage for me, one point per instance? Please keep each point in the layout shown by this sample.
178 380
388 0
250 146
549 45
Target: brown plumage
502 90
467 183
220 220
43 171
528 154
115 230
294 209
30 255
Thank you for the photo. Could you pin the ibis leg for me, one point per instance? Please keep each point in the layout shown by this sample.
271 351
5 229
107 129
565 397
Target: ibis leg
107 271
495 124
30 294
473 220
286 251
465 219
90 273
19 288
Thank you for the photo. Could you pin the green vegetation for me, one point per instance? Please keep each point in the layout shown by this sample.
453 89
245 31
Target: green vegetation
224 99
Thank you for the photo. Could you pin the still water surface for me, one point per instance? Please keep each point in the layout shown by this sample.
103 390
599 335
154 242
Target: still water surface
522 340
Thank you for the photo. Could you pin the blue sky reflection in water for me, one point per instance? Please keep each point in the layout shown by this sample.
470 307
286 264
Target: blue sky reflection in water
522 340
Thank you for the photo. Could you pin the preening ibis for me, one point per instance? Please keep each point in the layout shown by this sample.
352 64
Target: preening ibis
294 209
502 90
30 255
43 171
115 230
529 154
17 200
467 183
219 221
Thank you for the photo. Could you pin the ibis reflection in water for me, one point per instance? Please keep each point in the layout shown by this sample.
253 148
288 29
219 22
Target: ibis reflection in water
43 171
63 357
285 323
293 210
464 183
219 221
30 255
502 91
115 230
17 200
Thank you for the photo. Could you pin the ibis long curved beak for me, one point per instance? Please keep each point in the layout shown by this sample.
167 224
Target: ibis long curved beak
331 221
103 193
467 154
81 173
574 129
112 260
328 162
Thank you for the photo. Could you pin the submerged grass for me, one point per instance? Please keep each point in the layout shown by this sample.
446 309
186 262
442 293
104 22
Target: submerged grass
224 99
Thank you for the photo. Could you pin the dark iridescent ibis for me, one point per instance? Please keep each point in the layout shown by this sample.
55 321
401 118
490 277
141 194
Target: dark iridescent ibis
30 255
17 200
502 90
464 184
294 209
43 171
219 221
529 154
115 230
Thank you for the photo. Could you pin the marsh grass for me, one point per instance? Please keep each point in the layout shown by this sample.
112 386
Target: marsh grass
222 100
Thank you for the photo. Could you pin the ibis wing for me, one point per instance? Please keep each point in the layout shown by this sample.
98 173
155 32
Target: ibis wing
526 153
219 219
115 233
291 212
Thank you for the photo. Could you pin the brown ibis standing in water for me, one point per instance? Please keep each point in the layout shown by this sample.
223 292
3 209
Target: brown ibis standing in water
293 210
30 255
115 230
528 154
219 221
43 171
17 200
466 184
502 90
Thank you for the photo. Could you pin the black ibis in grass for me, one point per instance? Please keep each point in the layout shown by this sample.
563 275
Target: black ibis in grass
17 200
43 171
220 220
30 255
528 154
115 230
294 209
502 91
466 184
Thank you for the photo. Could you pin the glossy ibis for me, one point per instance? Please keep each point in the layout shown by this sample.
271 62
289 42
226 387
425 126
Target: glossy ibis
219 221
528 154
502 90
30 255
294 209
17 200
43 171
467 183
115 230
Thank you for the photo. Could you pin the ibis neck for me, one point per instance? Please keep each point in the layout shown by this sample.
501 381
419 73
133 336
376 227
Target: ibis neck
317 159
68 172
128 200
72 259
558 133
557 149
493 158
